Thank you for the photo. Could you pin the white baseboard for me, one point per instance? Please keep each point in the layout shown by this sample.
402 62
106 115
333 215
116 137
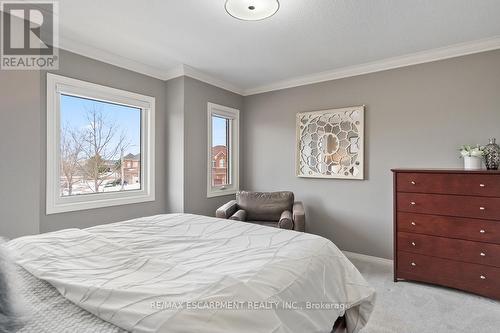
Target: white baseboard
365 257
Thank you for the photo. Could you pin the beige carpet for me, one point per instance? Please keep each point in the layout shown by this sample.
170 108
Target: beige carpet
408 307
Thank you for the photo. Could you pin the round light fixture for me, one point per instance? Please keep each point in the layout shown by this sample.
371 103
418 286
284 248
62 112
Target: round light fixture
252 10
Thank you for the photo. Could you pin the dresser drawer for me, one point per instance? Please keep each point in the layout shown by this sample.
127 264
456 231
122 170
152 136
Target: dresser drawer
449 248
454 227
479 279
465 184
449 205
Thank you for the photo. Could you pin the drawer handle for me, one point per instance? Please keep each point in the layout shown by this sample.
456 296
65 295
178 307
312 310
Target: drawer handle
413 203
413 264
483 277
413 223
482 208
482 185
482 231
413 244
413 182
482 254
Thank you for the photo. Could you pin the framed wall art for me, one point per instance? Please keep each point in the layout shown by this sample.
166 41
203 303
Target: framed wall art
330 143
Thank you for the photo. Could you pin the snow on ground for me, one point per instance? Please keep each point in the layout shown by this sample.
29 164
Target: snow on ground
82 188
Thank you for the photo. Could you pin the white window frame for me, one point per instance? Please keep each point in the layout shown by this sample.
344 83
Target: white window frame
57 85
234 146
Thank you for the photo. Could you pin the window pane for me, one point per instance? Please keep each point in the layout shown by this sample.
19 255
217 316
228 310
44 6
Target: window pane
100 146
220 151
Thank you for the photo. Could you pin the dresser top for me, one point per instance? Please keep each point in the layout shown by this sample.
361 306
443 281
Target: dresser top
463 171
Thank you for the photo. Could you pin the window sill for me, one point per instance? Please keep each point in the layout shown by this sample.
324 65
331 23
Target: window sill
71 204
220 193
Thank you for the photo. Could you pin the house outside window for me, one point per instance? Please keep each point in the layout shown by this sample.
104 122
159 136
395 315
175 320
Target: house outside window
219 172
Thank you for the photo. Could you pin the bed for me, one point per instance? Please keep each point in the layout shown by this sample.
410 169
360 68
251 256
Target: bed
50 312
188 273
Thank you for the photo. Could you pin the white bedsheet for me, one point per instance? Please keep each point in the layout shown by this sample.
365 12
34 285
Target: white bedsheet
187 273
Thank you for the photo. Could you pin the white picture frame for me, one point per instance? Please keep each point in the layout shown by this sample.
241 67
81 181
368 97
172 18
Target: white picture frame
330 143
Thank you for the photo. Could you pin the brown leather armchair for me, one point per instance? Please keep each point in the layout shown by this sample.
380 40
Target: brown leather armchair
274 209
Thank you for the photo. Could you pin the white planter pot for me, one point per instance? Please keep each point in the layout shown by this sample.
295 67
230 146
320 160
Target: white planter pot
473 163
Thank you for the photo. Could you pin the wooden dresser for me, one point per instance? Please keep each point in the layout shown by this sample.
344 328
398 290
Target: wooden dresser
447 228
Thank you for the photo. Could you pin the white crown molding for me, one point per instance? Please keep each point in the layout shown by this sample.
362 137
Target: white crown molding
175 72
110 58
365 257
116 60
442 53
185 70
201 76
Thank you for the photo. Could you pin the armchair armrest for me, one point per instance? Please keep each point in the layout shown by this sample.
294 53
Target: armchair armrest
227 210
286 220
299 216
240 215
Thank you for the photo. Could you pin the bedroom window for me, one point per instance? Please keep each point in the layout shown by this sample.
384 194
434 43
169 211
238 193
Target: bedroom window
223 154
100 146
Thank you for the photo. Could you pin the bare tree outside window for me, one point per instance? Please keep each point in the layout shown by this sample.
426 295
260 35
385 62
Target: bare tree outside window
71 148
99 143
102 144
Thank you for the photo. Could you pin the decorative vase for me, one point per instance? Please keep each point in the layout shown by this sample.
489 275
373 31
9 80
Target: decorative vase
473 163
492 155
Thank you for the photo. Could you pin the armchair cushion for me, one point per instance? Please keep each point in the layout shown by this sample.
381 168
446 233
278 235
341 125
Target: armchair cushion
264 206
227 210
240 215
286 220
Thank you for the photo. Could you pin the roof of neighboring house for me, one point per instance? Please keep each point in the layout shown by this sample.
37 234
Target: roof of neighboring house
216 150
132 157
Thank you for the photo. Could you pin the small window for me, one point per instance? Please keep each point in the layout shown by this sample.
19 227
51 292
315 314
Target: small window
223 150
95 135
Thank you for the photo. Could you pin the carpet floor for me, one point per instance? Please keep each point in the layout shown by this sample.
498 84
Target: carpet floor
409 307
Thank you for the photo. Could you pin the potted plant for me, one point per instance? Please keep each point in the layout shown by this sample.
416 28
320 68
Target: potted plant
473 157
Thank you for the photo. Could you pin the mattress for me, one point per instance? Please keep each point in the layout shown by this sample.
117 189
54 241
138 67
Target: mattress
188 273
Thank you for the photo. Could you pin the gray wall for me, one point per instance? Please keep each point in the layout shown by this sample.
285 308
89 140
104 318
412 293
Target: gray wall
175 145
194 124
181 133
86 69
23 137
20 153
415 117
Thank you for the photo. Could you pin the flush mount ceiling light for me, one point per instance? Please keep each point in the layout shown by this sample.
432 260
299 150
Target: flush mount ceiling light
252 10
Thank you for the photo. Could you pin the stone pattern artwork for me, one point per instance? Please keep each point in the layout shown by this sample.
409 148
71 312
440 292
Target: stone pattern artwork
330 143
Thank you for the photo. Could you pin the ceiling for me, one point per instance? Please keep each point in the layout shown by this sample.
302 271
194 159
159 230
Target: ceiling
167 38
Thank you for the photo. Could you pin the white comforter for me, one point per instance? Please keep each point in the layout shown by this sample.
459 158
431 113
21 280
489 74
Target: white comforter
187 273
